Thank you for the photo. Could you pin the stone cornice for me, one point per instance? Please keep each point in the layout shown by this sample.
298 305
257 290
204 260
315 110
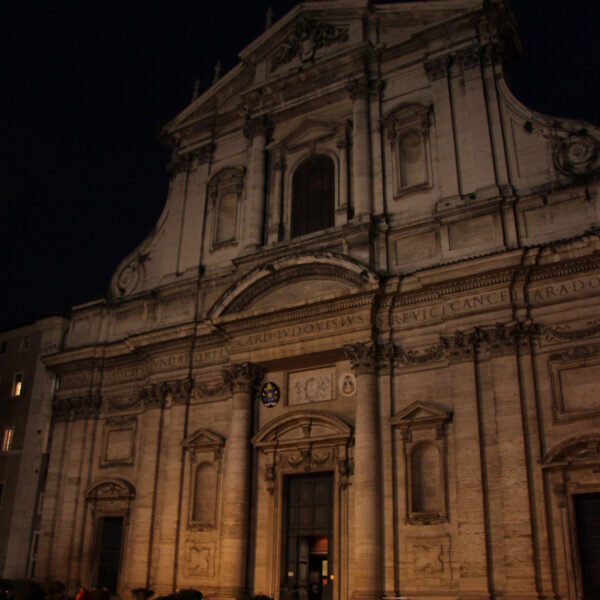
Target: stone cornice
360 300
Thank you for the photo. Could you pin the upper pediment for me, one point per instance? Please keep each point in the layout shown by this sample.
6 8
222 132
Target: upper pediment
309 131
420 413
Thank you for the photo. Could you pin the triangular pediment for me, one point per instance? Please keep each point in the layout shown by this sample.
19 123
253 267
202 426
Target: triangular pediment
308 131
202 438
420 413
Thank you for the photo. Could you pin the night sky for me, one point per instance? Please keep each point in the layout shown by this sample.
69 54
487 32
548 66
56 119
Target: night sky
86 87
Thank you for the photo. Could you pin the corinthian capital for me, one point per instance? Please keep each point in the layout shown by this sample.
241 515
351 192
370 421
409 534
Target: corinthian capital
257 126
244 377
363 357
358 88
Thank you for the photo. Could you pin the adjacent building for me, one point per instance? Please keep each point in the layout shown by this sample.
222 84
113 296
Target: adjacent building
26 391
358 355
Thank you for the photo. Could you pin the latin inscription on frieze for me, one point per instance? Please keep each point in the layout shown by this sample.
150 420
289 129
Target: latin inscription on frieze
209 357
322 327
125 374
451 308
75 380
552 291
173 361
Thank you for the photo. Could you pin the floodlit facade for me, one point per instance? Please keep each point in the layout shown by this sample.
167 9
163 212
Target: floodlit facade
358 355
26 391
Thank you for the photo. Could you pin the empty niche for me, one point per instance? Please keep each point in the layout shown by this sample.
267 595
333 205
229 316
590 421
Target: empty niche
203 457
407 131
425 478
225 193
204 507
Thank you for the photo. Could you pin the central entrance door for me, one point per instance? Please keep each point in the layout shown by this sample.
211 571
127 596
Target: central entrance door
587 515
308 534
111 534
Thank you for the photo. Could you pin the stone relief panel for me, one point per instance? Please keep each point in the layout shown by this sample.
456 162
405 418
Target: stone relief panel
315 385
472 232
413 248
575 376
118 441
200 559
430 557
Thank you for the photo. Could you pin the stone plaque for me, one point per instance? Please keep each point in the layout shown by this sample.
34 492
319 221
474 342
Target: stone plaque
472 232
315 385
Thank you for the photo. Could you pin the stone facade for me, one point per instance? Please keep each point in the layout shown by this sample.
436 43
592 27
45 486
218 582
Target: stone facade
392 392
26 390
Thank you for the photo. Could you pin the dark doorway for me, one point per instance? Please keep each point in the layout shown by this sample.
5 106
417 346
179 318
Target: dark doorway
308 522
109 556
587 515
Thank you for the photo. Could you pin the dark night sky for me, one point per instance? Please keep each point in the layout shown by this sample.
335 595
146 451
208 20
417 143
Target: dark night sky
87 86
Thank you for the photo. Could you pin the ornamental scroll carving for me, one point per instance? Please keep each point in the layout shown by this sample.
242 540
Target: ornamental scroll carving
363 357
565 333
497 340
308 36
79 407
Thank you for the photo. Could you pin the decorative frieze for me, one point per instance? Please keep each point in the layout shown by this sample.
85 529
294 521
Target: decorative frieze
78 407
155 395
564 333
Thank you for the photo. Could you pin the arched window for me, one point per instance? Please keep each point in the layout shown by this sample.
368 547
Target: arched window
313 191
205 495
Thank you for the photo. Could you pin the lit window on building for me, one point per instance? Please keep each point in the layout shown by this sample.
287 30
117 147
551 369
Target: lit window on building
7 438
18 384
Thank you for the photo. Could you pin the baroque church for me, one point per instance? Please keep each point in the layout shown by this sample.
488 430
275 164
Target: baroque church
358 356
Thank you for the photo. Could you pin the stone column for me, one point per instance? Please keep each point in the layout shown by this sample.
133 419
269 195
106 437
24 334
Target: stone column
367 559
242 380
274 218
361 147
256 130
341 210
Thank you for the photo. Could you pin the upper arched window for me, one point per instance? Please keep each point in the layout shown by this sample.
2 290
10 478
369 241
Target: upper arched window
313 192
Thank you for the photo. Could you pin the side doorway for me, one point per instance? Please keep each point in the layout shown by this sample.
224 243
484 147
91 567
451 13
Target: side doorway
587 518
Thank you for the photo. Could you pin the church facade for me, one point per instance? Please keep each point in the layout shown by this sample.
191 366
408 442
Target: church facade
358 355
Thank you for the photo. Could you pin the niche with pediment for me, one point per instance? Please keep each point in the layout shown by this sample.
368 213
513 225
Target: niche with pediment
304 441
407 134
225 194
423 429
203 455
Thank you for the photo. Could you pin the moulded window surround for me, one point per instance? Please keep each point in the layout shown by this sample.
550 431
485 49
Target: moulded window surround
407 132
17 387
225 191
313 195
